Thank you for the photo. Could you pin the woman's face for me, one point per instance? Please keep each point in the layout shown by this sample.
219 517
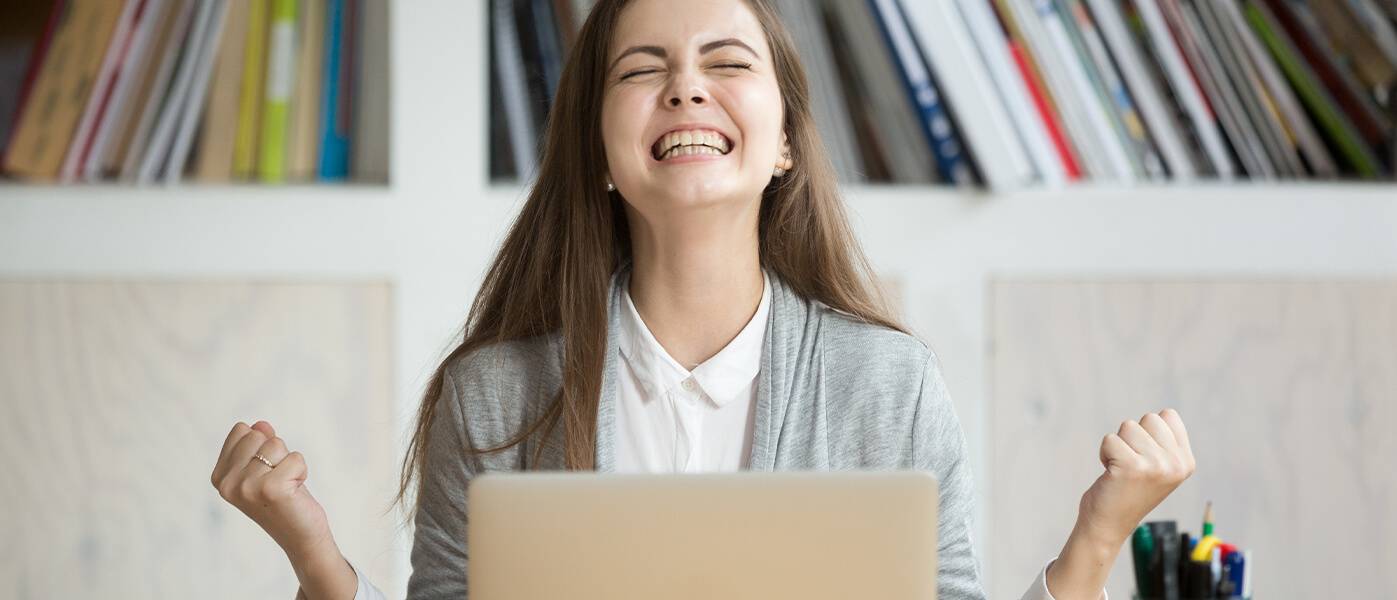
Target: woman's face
692 114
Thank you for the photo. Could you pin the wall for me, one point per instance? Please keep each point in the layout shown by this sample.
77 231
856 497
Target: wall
1286 388
117 395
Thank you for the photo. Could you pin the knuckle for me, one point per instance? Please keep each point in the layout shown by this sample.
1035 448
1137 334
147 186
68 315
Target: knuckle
1176 466
227 488
248 489
1152 470
277 444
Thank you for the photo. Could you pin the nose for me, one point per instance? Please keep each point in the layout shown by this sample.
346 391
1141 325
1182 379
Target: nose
678 100
686 88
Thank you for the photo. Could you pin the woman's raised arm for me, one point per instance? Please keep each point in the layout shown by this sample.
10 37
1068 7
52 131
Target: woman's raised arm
257 474
1145 461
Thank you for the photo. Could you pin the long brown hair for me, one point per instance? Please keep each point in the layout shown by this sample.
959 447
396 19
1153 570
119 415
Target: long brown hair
553 271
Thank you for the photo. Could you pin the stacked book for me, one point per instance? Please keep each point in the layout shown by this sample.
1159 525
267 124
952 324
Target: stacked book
210 90
1016 93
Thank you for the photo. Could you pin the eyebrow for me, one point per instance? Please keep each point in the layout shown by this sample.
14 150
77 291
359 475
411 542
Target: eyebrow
659 52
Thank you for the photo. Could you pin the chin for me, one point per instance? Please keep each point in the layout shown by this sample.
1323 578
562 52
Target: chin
699 196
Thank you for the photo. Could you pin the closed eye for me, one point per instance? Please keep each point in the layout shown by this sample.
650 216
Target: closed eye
638 72
734 65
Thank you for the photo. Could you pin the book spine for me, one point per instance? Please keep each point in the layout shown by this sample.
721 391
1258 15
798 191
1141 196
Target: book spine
370 155
1186 89
1382 29
276 96
1317 156
161 142
828 101
1061 146
304 145
1305 35
897 125
1071 108
1165 131
509 60
31 72
1031 69
97 101
1257 104
1098 114
1029 129
549 46
116 116
250 101
194 105
158 91
219 131
1344 135
334 145
1132 126
1208 68
941 136
61 90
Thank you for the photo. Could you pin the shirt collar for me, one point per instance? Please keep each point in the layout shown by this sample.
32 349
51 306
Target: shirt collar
722 377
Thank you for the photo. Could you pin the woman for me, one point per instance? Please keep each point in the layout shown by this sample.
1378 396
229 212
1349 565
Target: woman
681 292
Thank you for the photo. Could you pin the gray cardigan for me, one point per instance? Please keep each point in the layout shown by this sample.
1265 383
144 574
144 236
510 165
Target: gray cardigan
833 393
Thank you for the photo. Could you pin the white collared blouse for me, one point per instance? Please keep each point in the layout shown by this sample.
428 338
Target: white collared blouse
670 419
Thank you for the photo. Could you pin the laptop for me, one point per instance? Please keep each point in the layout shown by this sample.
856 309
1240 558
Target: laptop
807 535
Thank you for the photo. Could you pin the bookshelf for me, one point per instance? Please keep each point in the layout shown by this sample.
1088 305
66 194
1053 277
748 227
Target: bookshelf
430 230
176 92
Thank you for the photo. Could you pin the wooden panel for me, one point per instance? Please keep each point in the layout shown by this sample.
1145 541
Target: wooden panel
115 398
1288 392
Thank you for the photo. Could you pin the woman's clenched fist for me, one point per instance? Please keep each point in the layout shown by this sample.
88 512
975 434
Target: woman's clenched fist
1145 461
275 497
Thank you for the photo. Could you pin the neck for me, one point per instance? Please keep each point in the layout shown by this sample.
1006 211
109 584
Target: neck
695 285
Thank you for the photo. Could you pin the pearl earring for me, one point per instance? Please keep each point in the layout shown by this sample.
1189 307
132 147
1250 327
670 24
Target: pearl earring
784 166
610 187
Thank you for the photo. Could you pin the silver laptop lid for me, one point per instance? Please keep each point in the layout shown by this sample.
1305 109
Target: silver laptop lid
742 535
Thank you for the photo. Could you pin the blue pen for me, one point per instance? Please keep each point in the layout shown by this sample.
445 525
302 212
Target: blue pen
1236 565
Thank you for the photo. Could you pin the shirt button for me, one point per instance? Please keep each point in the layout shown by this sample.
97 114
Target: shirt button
689 384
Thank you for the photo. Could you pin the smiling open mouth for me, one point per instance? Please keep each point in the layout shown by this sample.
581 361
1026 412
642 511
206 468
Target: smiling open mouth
689 142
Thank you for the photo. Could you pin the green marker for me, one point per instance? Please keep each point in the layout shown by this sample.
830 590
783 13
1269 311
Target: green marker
1141 548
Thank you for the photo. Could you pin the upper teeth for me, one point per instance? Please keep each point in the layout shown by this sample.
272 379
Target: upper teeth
694 141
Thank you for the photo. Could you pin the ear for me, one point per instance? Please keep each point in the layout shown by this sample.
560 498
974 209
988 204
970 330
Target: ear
785 162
